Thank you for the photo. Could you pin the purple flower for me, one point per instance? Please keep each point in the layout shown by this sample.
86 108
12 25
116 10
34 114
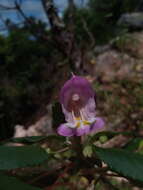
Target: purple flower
78 104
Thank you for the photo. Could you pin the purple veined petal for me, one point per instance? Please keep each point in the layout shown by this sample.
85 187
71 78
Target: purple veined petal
83 131
89 109
87 129
66 131
76 85
68 115
98 125
80 131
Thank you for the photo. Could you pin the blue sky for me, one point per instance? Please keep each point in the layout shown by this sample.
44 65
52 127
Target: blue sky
31 8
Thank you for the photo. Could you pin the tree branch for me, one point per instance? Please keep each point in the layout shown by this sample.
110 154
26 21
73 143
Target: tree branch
19 9
92 39
52 15
62 36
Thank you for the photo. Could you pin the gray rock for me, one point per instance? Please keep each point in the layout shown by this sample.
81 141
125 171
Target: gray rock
132 44
113 65
132 20
42 127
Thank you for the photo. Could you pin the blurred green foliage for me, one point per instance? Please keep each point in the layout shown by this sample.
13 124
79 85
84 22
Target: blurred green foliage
100 18
26 66
63 167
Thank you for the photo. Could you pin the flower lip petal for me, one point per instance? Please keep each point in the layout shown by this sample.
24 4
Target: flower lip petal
97 125
83 131
65 131
76 86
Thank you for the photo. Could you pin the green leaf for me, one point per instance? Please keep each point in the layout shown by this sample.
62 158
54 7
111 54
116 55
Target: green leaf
18 157
32 139
134 144
123 162
36 139
10 183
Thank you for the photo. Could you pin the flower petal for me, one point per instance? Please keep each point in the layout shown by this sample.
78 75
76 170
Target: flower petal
89 109
68 115
76 85
97 125
64 130
82 131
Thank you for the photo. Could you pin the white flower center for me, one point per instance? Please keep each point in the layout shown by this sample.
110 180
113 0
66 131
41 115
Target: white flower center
80 121
75 97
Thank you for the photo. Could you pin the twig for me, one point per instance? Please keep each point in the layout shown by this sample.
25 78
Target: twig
3 7
88 32
62 150
108 183
19 9
63 36
8 26
97 180
112 175
47 173
60 176
95 170
70 185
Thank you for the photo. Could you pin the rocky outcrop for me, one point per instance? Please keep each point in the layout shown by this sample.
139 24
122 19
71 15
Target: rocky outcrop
132 44
122 60
42 127
132 21
113 65
117 74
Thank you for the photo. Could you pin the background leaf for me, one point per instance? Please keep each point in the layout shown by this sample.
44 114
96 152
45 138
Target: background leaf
134 144
36 139
18 157
27 140
10 183
123 162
